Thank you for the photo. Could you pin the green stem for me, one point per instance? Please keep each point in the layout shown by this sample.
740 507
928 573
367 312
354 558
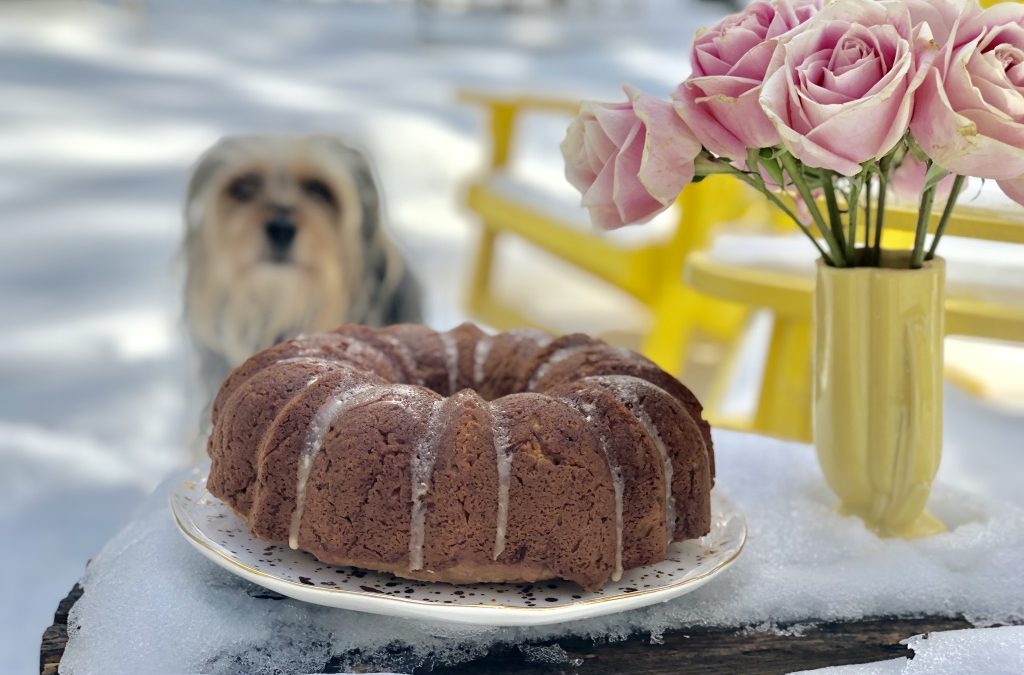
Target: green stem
924 214
795 175
834 216
853 210
883 189
958 184
867 212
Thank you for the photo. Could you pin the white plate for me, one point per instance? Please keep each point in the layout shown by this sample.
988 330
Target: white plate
210 526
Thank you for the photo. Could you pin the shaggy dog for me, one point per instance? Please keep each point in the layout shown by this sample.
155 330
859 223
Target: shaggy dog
283 237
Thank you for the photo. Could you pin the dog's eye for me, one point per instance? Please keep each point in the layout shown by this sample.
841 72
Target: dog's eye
244 188
318 189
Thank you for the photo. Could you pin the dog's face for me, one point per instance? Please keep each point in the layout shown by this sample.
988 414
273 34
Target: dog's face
279 212
274 240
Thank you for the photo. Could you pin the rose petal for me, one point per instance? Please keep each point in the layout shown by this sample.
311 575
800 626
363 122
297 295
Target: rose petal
708 63
953 140
705 125
669 148
1014 189
616 121
601 192
606 217
598 145
857 80
632 200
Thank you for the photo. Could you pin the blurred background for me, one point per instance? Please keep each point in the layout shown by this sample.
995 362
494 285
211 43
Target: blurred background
106 105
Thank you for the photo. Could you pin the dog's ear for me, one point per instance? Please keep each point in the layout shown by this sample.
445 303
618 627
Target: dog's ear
366 184
208 164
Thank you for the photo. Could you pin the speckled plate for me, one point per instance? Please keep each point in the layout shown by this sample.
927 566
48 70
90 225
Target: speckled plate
221 536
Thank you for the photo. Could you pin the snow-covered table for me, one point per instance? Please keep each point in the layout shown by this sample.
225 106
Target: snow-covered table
812 589
693 649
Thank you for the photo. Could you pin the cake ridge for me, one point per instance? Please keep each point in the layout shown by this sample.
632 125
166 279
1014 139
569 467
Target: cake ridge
503 460
451 353
215 441
421 468
342 400
555 357
587 410
405 355
639 381
312 360
534 335
624 388
480 353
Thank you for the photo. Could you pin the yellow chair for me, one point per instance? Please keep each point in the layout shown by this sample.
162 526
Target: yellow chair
651 273
784 404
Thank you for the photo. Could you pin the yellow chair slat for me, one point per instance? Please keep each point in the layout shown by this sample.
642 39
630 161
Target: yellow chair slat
791 295
977 318
974 222
788 294
628 269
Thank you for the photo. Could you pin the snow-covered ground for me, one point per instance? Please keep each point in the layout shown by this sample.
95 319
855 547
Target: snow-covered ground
104 107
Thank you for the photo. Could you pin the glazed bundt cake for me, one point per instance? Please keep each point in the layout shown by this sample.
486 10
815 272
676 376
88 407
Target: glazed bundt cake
460 456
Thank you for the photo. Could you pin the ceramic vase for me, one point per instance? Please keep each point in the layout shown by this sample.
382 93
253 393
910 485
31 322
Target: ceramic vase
878 389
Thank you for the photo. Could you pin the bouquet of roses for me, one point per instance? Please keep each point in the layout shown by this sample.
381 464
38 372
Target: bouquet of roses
818 106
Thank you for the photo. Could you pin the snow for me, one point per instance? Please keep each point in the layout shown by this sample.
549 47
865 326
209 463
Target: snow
996 651
802 561
104 109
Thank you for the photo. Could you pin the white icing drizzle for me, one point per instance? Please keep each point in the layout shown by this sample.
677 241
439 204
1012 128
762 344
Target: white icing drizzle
311 360
588 411
353 347
626 353
406 356
503 460
451 353
624 388
343 399
305 347
421 469
480 354
554 358
538 337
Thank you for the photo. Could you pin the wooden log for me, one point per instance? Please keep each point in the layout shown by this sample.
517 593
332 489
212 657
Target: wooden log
677 652
55 638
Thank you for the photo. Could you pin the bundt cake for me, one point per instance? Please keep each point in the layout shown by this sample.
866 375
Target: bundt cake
460 456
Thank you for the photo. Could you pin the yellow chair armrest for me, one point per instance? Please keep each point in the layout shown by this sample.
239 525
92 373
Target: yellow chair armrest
629 270
786 294
973 222
976 222
504 112
554 104
791 295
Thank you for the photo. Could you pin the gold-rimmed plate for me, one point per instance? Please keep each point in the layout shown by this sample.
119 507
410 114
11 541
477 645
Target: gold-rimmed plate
216 532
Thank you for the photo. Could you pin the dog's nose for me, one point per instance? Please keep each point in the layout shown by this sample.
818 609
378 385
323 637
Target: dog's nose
280 233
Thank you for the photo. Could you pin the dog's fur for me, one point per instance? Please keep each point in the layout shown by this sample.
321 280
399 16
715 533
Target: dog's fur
283 237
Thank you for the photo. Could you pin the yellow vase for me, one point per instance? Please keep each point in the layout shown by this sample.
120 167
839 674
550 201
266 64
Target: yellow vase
878 389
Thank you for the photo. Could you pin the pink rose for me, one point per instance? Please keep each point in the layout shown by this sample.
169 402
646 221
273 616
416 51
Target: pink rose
943 17
841 88
970 109
629 160
729 61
